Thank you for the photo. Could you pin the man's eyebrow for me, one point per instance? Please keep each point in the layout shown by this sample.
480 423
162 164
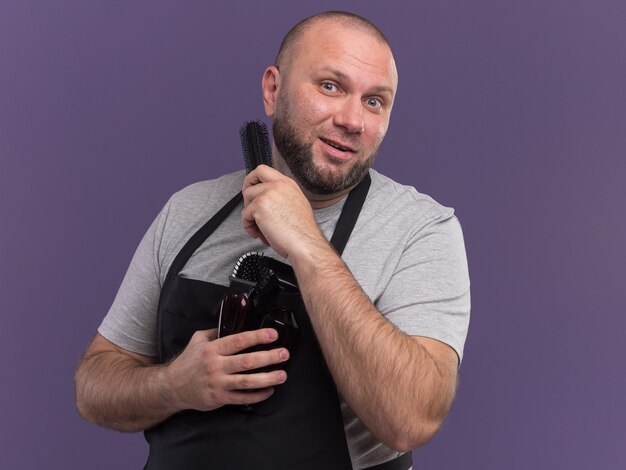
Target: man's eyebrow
339 74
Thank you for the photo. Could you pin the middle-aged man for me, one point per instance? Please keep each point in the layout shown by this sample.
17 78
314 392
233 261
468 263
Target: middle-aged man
385 303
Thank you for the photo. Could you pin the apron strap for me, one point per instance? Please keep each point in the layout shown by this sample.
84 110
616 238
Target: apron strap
350 214
201 235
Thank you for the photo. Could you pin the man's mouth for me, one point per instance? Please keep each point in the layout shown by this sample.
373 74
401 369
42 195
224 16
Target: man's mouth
336 145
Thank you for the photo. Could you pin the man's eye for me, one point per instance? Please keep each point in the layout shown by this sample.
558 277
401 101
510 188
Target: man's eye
374 103
329 86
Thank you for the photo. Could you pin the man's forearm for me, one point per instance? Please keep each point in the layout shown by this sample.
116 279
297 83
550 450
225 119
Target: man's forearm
388 378
122 393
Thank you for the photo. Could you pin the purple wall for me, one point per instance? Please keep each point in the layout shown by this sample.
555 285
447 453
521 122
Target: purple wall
512 112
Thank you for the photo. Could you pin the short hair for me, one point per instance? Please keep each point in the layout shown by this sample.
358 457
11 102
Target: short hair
349 19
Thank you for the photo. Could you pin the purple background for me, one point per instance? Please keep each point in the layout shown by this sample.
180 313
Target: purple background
514 113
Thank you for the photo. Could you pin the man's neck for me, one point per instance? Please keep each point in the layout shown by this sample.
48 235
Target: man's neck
318 201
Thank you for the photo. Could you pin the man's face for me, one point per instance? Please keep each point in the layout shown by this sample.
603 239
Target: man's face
333 106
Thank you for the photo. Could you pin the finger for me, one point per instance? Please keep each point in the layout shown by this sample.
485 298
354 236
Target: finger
250 193
248 398
250 180
261 174
255 381
253 178
232 344
254 360
249 224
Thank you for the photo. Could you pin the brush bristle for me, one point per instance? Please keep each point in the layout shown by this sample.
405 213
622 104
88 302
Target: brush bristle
249 267
255 144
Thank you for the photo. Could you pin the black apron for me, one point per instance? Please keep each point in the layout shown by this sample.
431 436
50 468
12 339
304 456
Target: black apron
299 427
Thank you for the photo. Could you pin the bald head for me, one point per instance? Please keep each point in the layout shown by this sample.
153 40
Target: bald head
348 20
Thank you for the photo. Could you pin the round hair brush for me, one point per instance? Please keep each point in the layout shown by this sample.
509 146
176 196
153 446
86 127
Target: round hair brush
255 144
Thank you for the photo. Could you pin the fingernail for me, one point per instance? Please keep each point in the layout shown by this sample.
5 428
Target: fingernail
272 334
282 377
284 355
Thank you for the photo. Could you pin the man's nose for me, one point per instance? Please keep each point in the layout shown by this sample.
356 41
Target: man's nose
350 115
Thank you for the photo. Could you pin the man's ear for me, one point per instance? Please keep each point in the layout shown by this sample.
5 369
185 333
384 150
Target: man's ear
270 86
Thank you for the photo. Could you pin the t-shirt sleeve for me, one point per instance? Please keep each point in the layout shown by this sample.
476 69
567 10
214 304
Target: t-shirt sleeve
131 321
429 291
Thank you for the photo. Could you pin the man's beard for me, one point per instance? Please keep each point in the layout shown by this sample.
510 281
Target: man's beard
299 158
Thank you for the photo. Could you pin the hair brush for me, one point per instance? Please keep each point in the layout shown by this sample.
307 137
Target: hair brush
255 144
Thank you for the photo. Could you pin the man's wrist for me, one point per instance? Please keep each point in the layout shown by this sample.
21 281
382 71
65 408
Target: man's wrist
313 255
166 390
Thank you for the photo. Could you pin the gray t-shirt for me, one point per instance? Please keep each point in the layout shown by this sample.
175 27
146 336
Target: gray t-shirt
406 252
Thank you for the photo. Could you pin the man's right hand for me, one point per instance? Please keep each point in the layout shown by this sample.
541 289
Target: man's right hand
210 372
127 391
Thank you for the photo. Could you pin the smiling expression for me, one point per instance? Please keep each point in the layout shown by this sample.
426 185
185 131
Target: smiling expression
331 102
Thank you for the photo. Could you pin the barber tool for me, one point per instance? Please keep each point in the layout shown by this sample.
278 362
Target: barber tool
255 143
263 293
